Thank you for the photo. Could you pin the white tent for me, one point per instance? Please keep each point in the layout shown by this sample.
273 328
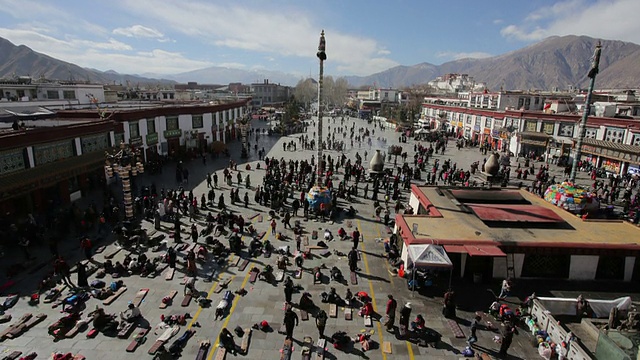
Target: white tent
428 255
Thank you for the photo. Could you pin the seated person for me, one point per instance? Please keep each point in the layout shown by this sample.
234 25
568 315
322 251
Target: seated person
342 233
298 260
349 298
226 340
254 247
367 309
506 313
119 270
317 275
418 323
108 267
494 309
328 236
202 252
281 262
336 274
104 322
363 339
331 297
340 340
190 287
131 314
305 302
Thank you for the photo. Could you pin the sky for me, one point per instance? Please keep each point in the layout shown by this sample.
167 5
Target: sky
363 37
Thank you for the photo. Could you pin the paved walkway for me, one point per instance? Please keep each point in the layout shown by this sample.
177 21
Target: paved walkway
265 301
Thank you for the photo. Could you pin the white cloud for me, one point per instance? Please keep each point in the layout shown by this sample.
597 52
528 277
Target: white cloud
384 52
283 31
498 21
605 19
111 54
463 55
138 31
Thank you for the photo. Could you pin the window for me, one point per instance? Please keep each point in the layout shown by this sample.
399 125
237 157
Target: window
196 122
531 125
69 94
614 135
134 130
53 95
566 130
591 133
536 101
547 128
468 119
151 126
487 123
172 123
636 140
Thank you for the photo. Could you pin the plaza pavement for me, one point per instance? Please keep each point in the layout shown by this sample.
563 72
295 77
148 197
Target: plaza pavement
265 301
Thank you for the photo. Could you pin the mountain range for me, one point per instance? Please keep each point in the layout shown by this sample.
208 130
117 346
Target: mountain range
559 62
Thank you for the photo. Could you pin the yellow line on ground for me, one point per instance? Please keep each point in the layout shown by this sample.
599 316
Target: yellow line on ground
215 283
409 348
226 320
373 297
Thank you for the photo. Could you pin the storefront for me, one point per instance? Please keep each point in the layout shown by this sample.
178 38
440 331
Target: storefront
612 157
533 143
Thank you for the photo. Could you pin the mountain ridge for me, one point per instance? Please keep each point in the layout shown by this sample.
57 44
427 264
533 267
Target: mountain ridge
555 62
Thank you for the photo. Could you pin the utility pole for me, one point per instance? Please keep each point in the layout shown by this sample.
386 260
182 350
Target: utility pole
595 63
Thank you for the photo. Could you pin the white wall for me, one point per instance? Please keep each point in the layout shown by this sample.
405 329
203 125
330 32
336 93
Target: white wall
414 203
583 267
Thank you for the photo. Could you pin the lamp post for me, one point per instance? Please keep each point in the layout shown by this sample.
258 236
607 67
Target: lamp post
595 64
126 163
322 56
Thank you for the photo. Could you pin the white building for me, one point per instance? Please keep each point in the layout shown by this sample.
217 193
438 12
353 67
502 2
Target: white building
26 92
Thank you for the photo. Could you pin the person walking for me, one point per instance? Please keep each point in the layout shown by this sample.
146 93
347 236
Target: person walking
85 245
321 323
82 275
215 180
353 259
474 327
62 269
355 235
505 289
290 321
288 290
209 181
391 312
507 338
405 315
171 257
273 226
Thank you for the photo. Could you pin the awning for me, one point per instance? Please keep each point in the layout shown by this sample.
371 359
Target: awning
429 255
459 249
484 250
475 250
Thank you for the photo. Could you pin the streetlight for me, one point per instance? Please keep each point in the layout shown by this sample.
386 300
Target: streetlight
127 164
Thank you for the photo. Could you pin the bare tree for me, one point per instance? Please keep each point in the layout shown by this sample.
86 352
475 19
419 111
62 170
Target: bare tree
306 91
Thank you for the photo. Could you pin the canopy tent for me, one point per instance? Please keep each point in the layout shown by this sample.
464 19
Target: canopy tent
428 255
431 256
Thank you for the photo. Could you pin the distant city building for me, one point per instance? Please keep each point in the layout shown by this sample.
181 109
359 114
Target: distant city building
454 83
27 92
269 94
173 130
612 143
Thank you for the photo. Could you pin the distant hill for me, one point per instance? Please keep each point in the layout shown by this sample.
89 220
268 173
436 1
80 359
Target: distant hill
22 61
554 62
